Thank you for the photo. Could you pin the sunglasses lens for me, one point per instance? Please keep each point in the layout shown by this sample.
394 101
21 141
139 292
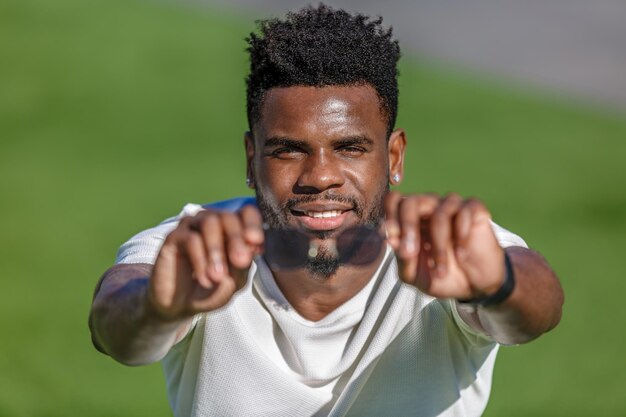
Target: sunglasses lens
359 245
285 249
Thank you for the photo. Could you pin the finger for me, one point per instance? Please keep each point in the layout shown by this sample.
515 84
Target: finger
240 277
253 225
412 214
171 275
239 253
411 211
203 299
423 278
408 221
472 212
441 231
212 234
462 228
392 227
193 247
211 299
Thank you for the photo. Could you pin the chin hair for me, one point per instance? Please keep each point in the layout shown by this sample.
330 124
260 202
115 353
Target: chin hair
323 266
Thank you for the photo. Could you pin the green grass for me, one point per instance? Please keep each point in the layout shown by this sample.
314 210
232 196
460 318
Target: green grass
115 114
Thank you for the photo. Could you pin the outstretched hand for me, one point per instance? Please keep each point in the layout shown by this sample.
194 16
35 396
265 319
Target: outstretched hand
204 261
445 246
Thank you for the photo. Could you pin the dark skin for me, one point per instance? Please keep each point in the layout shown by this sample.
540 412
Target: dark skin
311 145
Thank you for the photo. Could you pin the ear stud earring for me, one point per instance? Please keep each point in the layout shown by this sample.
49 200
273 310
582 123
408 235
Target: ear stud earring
396 178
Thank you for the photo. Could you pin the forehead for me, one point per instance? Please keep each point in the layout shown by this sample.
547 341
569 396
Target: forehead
305 111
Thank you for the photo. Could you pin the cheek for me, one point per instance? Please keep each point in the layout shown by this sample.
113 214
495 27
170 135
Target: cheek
368 174
276 178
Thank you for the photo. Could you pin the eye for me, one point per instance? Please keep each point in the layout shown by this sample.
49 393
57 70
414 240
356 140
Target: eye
286 152
352 150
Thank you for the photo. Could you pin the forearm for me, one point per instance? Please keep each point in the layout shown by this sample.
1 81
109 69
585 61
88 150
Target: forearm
533 308
122 322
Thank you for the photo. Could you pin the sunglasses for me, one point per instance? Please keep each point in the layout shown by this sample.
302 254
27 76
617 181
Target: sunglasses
292 249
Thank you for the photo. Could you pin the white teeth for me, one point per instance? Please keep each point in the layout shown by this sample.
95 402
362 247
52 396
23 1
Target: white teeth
323 214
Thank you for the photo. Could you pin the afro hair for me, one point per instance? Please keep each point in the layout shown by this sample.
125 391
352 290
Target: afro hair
321 46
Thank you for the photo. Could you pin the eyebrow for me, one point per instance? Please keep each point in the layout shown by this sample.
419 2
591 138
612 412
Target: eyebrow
353 140
283 141
345 141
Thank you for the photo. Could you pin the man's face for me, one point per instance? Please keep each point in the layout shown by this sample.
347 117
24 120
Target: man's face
320 159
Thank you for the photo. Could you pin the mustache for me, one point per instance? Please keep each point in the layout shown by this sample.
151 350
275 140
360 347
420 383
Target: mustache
311 198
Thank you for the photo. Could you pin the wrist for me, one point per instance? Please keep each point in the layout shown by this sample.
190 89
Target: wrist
154 313
502 293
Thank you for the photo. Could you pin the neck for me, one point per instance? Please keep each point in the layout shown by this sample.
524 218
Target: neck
314 297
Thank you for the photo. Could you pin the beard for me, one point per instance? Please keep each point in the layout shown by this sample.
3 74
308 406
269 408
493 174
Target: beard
325 264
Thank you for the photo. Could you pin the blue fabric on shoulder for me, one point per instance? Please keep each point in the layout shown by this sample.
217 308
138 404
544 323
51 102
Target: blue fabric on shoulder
232 204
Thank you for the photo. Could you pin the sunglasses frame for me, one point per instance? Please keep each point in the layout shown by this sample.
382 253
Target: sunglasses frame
291 248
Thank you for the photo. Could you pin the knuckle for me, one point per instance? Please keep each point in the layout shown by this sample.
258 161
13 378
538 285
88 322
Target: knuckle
231 223
180 234
185 222
191 243
473 202
425 201
409 201
477 206
251 211
173 236
208 222
439 218
452 196
227 216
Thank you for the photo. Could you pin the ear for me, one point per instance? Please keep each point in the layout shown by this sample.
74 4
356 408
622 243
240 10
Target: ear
249 144
395 149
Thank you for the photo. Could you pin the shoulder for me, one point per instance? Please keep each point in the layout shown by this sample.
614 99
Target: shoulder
144 246
232 204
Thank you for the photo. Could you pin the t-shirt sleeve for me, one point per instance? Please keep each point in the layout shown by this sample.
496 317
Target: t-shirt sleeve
473 336
505 239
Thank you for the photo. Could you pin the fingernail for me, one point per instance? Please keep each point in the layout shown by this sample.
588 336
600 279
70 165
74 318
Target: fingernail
242 257
219 268
392 229
255 235
409 245
409 242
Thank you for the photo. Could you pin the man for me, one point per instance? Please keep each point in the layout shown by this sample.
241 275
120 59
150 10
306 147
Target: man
332 323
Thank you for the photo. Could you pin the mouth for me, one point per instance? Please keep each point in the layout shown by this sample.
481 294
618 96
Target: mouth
323 214
321 217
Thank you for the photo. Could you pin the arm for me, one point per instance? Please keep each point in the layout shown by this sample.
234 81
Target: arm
139 312
124 324
533 308
447 249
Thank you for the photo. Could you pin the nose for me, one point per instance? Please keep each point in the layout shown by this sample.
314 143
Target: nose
320 172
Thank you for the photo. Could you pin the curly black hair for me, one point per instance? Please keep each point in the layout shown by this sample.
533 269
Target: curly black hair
321 46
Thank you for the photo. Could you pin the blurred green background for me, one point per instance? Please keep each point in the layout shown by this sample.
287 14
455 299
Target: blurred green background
115 114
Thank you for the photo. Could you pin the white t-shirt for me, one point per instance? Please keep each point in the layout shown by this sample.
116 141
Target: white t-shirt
388 351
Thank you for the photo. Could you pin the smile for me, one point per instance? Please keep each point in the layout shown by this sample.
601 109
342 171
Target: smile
321 218
323 214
